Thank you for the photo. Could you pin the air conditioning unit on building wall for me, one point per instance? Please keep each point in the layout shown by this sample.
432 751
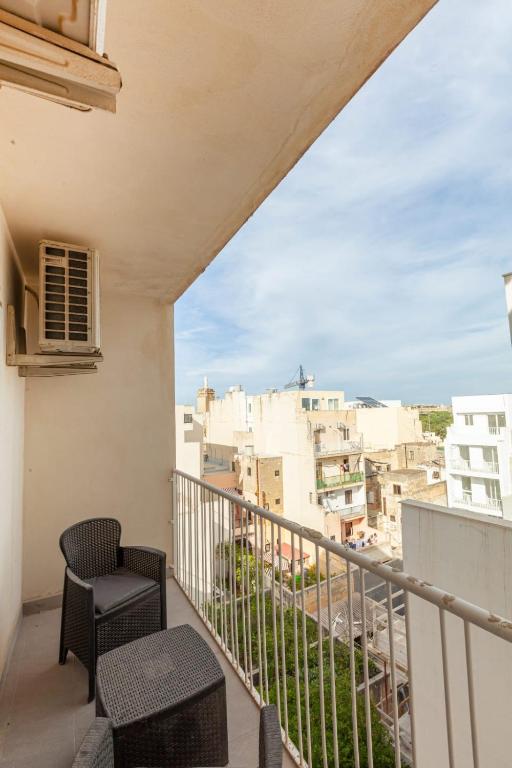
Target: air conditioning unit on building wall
69 298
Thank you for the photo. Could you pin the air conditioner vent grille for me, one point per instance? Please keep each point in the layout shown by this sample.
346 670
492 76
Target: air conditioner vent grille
69 298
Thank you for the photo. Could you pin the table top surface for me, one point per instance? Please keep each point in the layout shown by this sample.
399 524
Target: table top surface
156 673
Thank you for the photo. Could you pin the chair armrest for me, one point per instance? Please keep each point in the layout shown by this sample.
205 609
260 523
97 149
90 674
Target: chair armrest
145 561
97 748
77 582
271 746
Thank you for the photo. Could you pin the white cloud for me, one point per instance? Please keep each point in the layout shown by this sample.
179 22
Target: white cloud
378 261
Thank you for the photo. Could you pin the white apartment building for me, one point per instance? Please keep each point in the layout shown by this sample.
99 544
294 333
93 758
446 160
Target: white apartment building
478 452
320 441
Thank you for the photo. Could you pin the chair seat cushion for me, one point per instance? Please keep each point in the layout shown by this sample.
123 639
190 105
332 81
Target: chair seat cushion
116 588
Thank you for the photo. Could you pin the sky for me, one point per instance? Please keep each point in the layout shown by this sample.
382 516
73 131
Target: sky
377 262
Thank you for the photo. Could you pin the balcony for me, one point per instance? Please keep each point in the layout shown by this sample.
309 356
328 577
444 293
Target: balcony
466 500
345 447
467 467
43 709
476 435
338 642
345 511
338 481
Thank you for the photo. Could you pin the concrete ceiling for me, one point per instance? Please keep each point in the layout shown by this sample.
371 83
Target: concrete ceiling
220 99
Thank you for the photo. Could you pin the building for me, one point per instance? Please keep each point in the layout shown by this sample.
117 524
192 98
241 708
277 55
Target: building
387 491
478 454
314 440
421 457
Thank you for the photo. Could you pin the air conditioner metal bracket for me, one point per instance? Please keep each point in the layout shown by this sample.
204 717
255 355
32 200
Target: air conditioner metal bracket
41 364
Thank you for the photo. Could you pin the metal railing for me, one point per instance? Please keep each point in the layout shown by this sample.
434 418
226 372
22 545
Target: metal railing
345 446
486 467
336 481
330 646
489 503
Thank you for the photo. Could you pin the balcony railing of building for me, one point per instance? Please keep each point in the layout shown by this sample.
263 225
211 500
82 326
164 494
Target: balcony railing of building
346 446
489 503
485 467
332 655
348 478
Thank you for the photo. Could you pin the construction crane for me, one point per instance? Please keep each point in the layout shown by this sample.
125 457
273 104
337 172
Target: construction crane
302 381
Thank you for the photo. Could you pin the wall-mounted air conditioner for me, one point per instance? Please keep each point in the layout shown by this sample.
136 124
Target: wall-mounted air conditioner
57 67
69 300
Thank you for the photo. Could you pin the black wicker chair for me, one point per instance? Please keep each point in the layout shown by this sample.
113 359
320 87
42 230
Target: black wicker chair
97 750
112 594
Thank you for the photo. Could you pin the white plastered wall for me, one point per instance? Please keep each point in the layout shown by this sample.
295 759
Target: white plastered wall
12 390
468 555
102 444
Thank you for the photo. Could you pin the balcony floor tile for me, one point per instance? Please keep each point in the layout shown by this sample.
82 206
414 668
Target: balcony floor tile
43 707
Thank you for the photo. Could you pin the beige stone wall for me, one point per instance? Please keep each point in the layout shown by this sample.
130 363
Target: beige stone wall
270 484
404 456
102 444
259 483
413 485
12 391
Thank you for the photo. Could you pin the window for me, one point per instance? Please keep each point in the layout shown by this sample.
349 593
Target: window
388 467
397 490
332 404
371 497
276 473
315 404
492 489
333 538
277 502
496 421
392 518
348 497
306 403
466 485
468 419
490 455
249 407
435 475
464 452
411 455
187 418
249 471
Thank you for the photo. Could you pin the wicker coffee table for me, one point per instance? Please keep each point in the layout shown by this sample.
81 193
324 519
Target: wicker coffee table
166 697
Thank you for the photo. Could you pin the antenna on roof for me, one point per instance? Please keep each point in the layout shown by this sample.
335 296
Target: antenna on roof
302 381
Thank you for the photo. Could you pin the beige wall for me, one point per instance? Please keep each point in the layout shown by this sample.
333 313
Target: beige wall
189 441
12 390
102 444
387 427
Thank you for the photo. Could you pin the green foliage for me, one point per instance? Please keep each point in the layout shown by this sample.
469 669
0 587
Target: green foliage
309 578
437 421
258 617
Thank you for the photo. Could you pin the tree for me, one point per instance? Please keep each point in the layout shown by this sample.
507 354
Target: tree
285 670
437 421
